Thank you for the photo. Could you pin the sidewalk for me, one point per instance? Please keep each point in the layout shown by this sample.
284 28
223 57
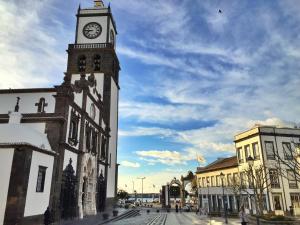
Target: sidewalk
91 220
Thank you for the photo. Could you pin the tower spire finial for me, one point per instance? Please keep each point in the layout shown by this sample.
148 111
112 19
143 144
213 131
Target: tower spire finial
98 3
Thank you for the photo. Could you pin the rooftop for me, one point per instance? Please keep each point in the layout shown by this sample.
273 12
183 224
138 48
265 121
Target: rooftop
221 163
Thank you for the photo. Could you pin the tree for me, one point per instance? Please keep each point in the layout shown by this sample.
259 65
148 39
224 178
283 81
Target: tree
288 163
122 194
253 181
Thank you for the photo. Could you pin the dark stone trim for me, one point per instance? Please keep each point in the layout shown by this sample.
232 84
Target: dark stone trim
70 148
27 90
33 220
18 184
97 103
108 29
102 163
25 145
35 117
86 117
77 24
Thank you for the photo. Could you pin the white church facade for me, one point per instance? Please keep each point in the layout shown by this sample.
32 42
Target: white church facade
58 146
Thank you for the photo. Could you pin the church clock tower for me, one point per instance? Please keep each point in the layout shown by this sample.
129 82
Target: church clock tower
91 134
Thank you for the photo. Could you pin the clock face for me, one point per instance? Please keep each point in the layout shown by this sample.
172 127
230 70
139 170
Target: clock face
92 30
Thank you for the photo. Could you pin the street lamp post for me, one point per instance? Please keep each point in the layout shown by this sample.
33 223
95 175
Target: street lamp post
208 196
142 178
222 176
251 163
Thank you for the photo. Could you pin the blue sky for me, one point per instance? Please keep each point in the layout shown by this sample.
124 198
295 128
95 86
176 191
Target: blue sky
191 77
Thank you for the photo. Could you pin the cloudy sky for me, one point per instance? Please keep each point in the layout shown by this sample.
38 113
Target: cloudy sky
191 77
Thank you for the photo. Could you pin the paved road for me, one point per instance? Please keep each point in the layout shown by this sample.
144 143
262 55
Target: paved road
173 218
193 219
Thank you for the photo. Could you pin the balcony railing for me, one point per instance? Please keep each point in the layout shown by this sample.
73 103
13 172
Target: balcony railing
92 45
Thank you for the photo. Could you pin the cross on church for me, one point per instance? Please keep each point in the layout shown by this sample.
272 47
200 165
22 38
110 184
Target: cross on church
41 105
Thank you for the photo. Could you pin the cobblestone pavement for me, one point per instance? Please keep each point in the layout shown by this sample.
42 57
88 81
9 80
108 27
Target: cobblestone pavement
173 218
154 218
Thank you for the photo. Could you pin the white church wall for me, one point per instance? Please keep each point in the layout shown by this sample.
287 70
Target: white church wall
27 102
113 140
85 20
99 77
37 126
73 156
37 202
88 110
6 158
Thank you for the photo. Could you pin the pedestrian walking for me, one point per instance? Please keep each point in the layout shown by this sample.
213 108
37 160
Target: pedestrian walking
243 216
176 207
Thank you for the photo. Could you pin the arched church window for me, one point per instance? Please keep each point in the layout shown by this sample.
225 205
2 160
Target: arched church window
94 142
73 128
88 138
93 111
103 147
81 63
97 62
112 38
41 105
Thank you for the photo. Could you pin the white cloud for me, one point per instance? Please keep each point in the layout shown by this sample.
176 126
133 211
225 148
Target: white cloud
28 49
169 157
130 164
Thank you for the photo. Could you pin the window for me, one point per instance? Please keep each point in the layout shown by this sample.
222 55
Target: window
277 202
255 151
295 199
270 149
235 178
240 156
229 179
203 181
97 62
92 111
274 178
218 183
247 152
81 63
94 142
207 181
199 182
41 179
243 179
73 128
212 181
88 138
292 179
103 147
287 150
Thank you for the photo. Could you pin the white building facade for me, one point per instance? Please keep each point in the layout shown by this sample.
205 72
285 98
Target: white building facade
79 119
264 144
